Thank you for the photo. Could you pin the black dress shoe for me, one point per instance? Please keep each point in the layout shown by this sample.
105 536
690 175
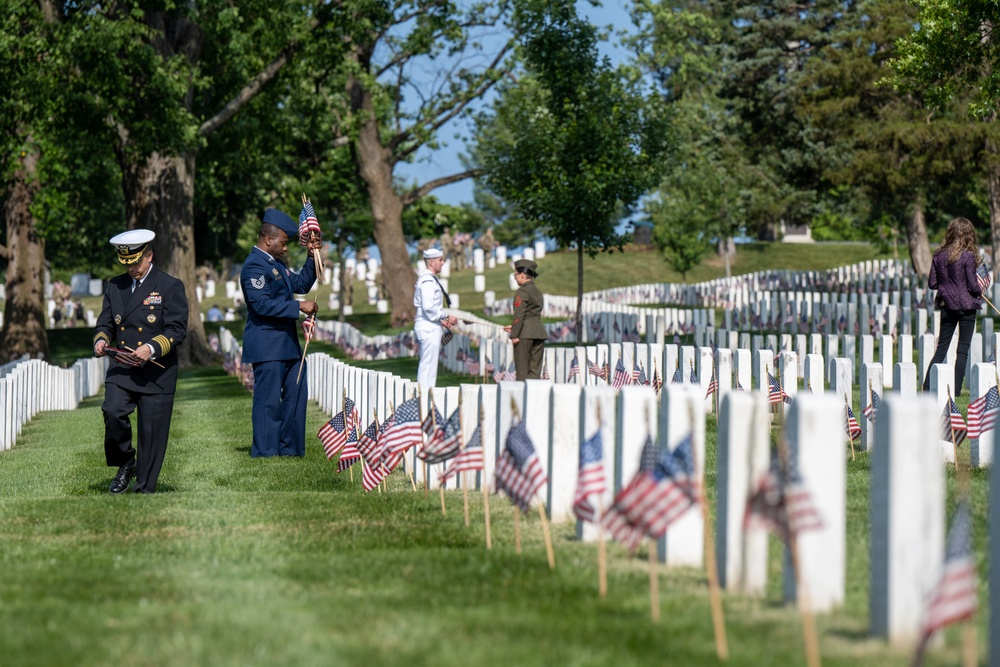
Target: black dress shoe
121 481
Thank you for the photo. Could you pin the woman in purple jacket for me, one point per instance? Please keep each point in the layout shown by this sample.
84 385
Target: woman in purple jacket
953 275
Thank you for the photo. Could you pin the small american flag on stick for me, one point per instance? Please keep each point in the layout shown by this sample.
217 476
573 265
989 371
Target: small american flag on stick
519 473
309 226
590 480
955 597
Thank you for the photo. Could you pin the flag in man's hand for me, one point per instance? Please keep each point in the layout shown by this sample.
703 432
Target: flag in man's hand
983 412
519 473
590 480
309 327
307 223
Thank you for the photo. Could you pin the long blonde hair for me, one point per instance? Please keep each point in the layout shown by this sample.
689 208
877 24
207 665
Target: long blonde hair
959 237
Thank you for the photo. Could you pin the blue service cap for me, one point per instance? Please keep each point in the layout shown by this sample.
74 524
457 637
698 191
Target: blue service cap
280 220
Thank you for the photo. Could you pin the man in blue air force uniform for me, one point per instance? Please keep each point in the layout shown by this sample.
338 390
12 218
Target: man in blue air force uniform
271 338
142 323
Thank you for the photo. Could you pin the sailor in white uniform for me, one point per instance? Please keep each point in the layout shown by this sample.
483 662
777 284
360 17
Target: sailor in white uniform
429 323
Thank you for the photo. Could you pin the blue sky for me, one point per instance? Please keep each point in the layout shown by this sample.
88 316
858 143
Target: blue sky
445 161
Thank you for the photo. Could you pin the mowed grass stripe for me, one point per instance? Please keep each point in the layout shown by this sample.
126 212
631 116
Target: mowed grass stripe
285 562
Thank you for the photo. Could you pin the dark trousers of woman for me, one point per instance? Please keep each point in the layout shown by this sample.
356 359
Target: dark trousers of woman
965 320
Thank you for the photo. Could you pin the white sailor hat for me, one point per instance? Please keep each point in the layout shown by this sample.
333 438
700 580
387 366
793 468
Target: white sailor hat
433 253
132 244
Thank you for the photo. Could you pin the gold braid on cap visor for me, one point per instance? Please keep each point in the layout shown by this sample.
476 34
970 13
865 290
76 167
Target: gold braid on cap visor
128 256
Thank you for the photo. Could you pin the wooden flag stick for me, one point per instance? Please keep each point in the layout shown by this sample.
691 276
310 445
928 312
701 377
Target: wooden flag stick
951 430
317 257
302 362
991 304
654 584
602 554
486 491
148 362
809 636
517 529
444 512
548 536
711 566
465 495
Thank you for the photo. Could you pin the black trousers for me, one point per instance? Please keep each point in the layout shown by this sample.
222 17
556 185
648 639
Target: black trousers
153 424
965 320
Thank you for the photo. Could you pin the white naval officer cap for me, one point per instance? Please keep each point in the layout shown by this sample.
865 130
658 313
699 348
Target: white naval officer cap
132 244
433 253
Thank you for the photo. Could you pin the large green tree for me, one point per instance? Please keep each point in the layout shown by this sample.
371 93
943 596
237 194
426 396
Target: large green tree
573 142
948 53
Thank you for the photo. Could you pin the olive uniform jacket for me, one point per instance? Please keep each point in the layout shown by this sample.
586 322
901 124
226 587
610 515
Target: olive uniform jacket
157 314
528 302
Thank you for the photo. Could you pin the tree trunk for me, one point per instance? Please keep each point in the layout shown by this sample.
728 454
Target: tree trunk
993 193
159 195
916 239
24 314
579 291
375 163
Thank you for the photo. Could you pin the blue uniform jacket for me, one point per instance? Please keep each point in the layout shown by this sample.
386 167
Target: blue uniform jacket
271 332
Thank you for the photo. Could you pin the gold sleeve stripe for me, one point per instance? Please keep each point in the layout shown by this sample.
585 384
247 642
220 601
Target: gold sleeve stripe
102 336
164 344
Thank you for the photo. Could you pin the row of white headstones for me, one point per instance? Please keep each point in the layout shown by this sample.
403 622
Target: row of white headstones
30 386
908 471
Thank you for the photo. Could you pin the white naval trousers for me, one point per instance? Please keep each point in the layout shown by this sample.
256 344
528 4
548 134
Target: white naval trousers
429 340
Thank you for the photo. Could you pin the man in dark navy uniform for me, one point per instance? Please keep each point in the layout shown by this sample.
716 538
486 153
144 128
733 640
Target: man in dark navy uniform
142 323
271 337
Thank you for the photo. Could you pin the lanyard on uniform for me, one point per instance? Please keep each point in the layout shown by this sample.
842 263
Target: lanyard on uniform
444 293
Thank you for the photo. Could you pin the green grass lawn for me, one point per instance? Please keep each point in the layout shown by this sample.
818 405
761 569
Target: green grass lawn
285 562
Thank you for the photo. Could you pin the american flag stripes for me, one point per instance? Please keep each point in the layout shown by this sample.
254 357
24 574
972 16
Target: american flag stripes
955 597
469 459
333 435
371 452
872 407
713 384
519 473
597 370
590 480
309 327
622 377
349 455
952 425
657 382
432 424
853 427
661 492
447 441
307 223
446 337
984 277
574 369
782 502
775 394
983 412
403 433
511 374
